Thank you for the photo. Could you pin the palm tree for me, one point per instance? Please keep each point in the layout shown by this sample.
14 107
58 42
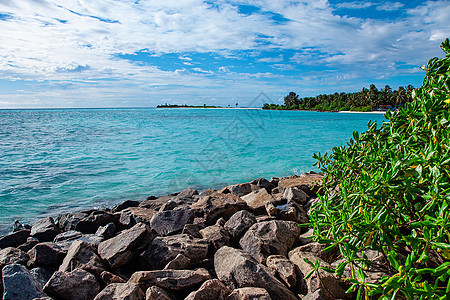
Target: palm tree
291 100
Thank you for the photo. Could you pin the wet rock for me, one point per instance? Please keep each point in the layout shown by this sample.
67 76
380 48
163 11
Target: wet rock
219 205
44 230
157 293
155 204
75 285
82 255
216 235
17 226
124 205
68 236
238 269
69 221
175 280
270 238
210 289
239 190
164 249
257 200
178 263
97 218
118 250
308 182
238 224
328 282
14 239
187 193
122 291
295 194
133 215
207 192
106 231
12 255
108 278
283 268
46 255
19 284
172 221
249 293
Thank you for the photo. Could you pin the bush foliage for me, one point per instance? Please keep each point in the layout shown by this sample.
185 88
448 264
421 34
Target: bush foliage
388 190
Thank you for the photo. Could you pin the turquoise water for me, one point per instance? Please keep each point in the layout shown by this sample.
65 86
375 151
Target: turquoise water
54 161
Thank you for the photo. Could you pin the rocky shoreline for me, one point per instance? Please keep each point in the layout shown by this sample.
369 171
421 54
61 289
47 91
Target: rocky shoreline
241 242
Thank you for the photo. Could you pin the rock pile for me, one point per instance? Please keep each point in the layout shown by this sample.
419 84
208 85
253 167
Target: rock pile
242 242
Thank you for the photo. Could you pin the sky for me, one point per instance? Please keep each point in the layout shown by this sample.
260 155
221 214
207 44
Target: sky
142 53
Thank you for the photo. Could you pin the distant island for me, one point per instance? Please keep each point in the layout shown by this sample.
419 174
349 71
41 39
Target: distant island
186 106
366 100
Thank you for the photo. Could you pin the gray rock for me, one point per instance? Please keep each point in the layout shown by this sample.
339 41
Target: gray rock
44 230
210 289
69 221
14 239
283 268
133 215
41 274
207 192
118 250
155 204
193 230
308 182
124 205
122 291
164 249
67 236
175 280
239 189
75 285
238 269
257 200
219 205
157 293
238 224
108 278
178 263
216 235
295 194
45 255
97 218
171 221
82 255
328 283
264 183
12 255
106 231
270 238
187 193
249 293
30 243
19 284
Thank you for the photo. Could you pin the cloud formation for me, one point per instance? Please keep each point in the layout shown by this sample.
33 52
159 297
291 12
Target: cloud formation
110 49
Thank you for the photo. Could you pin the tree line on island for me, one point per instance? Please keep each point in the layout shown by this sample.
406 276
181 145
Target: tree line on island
366 100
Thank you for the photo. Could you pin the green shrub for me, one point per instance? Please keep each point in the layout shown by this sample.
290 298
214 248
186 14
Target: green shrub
394 196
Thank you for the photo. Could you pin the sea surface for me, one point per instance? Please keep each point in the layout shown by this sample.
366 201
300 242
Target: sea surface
64 160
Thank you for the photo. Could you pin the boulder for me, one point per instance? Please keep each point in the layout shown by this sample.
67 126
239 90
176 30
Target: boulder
14 239
30 243
239 189
270 238
12 255
46 255
108 278
187 193
334 288
219 205
19 284
68 236
171 221
97 218
178 263
124 205
157 293
257 200
119 250
207 192
210 289
156 203
238 224
69 221
44 230
122 291
238 269
295 194
164 249
106 231
175 280
42 275
82 255
283 268
133 215
308 182
193 230
216 235
264 183
75 285
249 293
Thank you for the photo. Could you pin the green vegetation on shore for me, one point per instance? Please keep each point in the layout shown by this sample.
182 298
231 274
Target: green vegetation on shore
366 100
186 106
388 190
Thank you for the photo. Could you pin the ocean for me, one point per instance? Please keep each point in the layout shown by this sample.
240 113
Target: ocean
63 160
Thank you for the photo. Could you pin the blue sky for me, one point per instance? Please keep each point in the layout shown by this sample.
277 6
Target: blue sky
124 53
